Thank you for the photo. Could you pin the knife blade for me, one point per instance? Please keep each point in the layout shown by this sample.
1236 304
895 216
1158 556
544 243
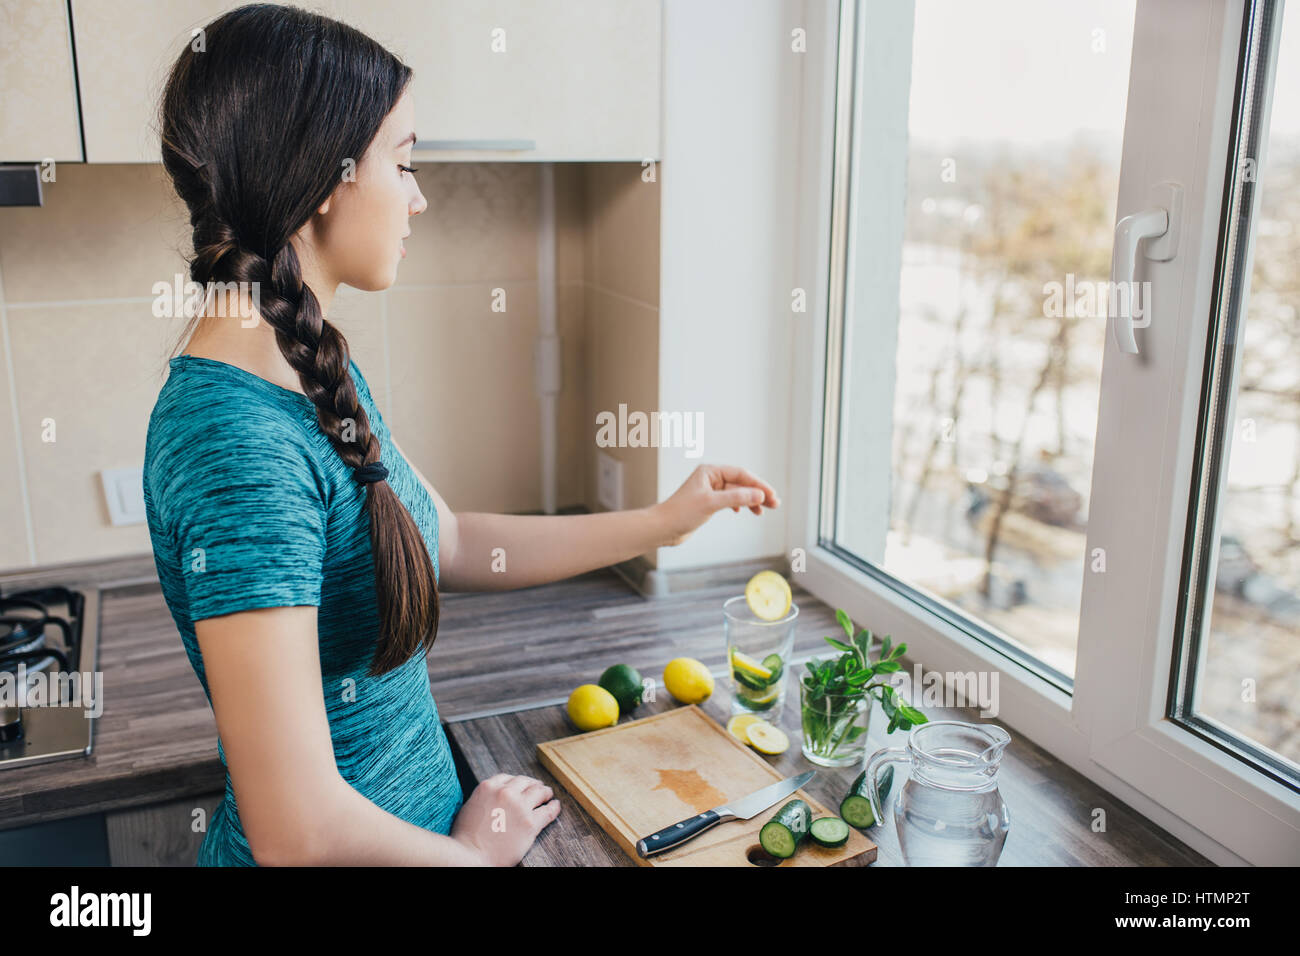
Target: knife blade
676 834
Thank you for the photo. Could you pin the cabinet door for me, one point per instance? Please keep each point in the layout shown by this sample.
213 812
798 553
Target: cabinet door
564 80
38 90
124 50
161 834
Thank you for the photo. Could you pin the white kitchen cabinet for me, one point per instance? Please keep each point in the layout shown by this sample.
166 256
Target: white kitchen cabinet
562 80
124 50
38 90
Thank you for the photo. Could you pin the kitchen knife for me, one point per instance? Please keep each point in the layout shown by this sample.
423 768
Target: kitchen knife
742 809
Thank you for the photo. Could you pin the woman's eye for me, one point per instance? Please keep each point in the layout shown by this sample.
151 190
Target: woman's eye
408 169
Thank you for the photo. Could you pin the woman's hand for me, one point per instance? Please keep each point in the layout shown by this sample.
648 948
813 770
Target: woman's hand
503 816
708 489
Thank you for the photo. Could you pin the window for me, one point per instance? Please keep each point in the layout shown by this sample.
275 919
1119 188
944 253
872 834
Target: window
976 499
995 476
1238 668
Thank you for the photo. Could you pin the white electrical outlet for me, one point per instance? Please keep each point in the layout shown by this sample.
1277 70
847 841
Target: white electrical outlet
609 481
124 491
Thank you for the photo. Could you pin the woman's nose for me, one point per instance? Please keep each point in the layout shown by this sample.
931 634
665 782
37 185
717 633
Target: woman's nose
421 204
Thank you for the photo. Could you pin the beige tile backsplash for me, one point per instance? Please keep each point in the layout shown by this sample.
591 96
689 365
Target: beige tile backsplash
81 349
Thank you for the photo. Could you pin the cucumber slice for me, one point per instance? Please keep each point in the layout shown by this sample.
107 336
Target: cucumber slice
773 663
829 831
746 679
782 834
857 811
855 808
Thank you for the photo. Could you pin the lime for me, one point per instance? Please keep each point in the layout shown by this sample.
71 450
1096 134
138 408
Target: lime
766 738
591 707
688 680
768 596
763 695
757 699
625 684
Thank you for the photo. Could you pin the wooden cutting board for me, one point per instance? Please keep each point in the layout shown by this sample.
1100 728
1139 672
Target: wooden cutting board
641 776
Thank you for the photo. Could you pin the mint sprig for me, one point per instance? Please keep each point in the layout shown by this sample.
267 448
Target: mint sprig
834 688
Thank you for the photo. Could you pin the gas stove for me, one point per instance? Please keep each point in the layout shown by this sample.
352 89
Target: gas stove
50 690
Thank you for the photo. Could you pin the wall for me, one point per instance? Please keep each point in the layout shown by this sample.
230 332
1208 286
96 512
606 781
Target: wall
730 130
79 344
621 296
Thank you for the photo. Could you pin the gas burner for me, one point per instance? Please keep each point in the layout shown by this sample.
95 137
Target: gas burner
24 618
49 637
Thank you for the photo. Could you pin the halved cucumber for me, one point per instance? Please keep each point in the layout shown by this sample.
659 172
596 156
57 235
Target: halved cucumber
829 831
782 834
773 663
855 808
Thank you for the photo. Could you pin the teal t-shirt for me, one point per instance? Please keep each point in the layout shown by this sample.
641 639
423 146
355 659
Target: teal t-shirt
250 506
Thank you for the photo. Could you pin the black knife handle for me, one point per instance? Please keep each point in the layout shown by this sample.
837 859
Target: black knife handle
677 834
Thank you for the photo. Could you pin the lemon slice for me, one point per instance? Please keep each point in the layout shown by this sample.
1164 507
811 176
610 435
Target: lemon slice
760 696
742 661
768 595
736 726
766 738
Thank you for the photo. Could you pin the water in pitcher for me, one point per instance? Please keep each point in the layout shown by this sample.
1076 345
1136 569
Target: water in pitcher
938 827
949 813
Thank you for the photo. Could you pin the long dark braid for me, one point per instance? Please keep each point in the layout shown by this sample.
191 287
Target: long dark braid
256 128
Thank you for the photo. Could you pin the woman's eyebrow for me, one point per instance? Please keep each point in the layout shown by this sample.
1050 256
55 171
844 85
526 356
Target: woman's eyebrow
410 138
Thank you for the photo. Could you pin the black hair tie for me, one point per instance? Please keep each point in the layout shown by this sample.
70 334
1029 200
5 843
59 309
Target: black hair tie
369 474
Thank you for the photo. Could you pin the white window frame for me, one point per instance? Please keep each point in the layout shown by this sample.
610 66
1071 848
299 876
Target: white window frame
1113 729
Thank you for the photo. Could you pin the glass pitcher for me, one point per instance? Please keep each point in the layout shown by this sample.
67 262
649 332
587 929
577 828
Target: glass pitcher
949 813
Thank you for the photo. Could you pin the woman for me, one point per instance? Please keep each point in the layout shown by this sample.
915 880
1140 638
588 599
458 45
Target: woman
299 552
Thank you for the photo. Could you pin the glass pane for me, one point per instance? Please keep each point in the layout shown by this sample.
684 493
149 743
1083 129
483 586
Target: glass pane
1249 667
1015 128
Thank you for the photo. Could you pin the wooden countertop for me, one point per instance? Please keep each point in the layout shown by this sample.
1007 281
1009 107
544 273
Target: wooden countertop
502 666
1050 805
496 651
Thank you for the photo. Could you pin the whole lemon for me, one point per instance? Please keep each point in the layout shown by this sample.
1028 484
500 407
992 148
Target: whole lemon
688 680
591 707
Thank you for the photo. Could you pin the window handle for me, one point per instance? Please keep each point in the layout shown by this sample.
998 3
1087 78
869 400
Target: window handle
1160 225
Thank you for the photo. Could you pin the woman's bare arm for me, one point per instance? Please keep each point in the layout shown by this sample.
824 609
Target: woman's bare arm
263 672
478 551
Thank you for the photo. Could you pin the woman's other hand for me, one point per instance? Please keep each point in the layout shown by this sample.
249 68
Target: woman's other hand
710 488
503 816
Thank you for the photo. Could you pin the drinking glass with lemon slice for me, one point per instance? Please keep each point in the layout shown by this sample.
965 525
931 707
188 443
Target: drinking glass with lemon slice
759 629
